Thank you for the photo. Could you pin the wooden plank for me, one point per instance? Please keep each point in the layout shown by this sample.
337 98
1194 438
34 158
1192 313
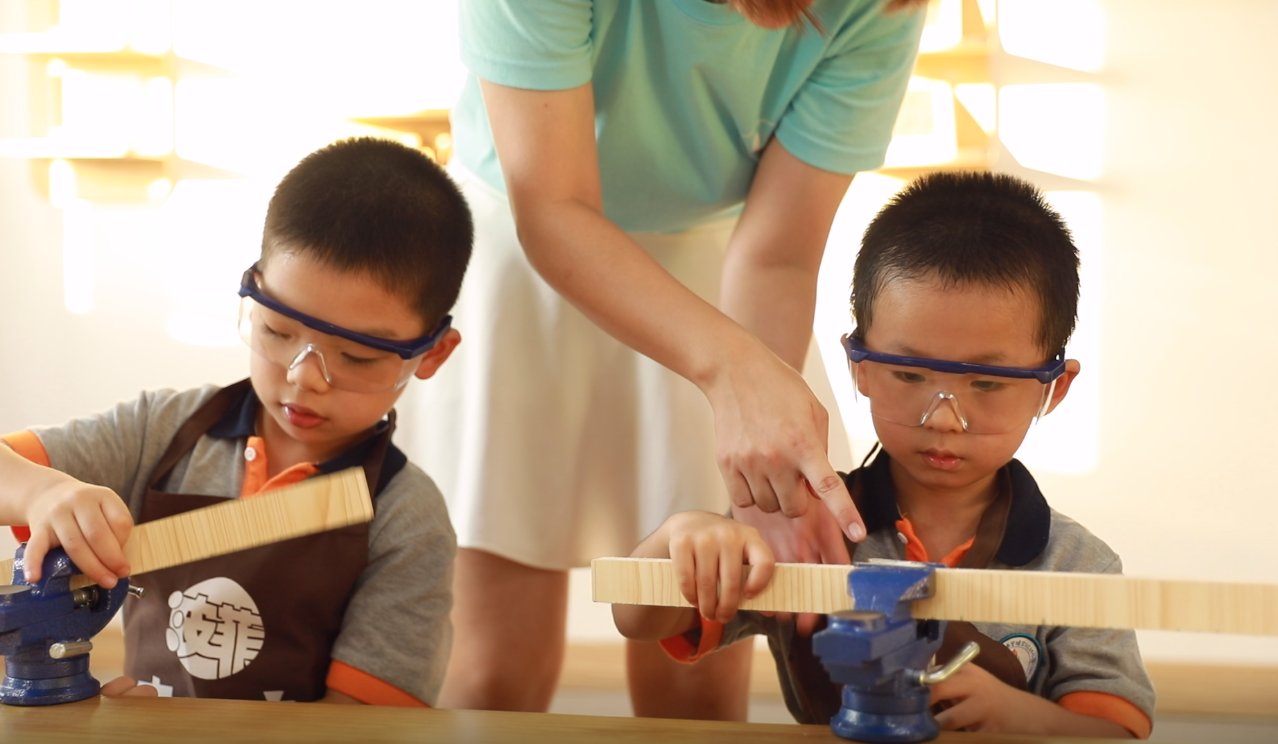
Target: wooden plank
1014 597
313 505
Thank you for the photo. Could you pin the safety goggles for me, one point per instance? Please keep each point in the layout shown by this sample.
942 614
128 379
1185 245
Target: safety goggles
349 360
985 399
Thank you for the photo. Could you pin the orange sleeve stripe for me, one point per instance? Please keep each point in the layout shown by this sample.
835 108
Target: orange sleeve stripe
28 445
680 647
1111 708
366 688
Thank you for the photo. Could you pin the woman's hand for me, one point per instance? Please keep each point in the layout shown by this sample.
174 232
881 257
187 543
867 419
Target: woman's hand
771 434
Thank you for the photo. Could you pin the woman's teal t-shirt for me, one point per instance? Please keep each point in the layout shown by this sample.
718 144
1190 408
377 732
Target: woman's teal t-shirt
688 92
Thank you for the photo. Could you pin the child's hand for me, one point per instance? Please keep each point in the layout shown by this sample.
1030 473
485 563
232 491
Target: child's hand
128 687
976 700
709 552
812 537
90 522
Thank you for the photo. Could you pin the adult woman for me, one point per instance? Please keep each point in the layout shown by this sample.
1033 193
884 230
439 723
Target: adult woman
672 169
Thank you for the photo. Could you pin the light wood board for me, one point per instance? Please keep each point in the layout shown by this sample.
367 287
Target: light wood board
313 505
1013 597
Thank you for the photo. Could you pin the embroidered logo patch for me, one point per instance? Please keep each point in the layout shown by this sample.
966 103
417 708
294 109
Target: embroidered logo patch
214 628
1026 650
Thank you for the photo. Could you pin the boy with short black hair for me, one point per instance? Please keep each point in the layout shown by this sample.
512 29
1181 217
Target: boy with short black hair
363 252
964 293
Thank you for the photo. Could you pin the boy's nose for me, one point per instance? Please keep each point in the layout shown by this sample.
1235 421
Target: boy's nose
944 413
313 376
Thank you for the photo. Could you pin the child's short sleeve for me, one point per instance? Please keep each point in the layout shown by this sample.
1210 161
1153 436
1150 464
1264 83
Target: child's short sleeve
396 636
1094 671
118 448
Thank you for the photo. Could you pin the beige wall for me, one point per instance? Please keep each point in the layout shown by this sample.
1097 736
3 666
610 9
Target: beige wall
1177 343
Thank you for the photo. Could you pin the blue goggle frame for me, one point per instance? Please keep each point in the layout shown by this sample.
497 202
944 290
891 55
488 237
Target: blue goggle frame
403 349
1045 374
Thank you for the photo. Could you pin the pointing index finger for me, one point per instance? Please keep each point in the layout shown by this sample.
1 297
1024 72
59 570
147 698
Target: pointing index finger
829 487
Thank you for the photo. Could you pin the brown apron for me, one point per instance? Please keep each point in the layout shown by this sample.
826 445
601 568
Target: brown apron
253 625
819 698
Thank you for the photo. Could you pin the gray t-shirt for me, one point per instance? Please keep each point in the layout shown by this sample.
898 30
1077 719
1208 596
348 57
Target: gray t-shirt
395 627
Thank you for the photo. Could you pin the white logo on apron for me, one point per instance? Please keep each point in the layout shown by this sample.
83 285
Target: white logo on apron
214 628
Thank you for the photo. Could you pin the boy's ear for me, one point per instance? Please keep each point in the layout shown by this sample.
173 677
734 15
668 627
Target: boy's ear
438 354
1063 382
857 378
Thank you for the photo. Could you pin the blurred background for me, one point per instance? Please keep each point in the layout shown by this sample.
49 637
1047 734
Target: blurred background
140 139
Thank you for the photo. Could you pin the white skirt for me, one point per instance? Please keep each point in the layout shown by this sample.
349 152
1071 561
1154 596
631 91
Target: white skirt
552 442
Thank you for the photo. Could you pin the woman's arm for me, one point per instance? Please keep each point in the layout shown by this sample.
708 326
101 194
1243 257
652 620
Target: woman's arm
770 273
769 286
771 430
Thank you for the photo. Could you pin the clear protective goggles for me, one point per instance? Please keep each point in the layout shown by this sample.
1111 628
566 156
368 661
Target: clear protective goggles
983 398
348 360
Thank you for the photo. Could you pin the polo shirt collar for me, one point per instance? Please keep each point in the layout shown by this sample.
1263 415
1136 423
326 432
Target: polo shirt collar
1029 517
240 422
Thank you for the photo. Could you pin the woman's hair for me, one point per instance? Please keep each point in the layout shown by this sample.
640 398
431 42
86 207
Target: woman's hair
782 13
775 13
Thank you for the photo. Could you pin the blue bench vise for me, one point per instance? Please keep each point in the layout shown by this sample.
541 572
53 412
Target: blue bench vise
45 632
881 654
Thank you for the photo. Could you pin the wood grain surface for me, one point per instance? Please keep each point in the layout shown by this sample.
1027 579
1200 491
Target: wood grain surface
1014 597
313 505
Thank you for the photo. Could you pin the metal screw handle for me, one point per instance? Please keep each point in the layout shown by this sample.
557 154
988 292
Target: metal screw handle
965 654
70 648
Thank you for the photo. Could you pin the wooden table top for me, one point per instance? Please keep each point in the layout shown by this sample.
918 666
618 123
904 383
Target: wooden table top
146 720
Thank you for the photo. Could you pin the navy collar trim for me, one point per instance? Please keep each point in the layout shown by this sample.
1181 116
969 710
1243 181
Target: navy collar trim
1029 518
240 422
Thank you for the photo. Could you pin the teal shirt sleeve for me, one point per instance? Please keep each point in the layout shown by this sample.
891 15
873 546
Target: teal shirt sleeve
689 93
532 44
842 118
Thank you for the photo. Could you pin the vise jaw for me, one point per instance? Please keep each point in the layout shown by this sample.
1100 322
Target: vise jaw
45 629
881 654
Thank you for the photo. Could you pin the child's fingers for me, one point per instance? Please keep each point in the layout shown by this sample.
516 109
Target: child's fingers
729 560
76 544
102 526
33 556
805 623
762 564
119 519
127 687
961 716
685 570
707 559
